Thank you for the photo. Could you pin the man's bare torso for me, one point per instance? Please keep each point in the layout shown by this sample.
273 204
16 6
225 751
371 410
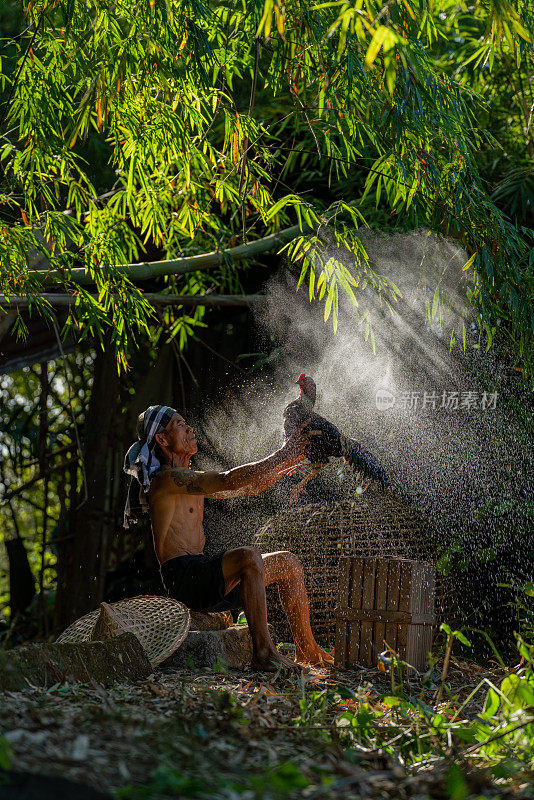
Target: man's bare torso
177 522
176 495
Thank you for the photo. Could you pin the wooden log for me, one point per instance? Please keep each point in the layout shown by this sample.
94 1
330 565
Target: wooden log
121 660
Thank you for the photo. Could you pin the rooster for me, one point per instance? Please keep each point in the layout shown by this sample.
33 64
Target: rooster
331 443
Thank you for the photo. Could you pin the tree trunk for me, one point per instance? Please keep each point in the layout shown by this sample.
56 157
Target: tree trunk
81 587
21 580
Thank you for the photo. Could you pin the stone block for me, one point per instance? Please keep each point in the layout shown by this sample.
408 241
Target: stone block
231 647
117 660
214 621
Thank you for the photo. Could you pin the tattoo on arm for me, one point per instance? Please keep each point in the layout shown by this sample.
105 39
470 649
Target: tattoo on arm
187 479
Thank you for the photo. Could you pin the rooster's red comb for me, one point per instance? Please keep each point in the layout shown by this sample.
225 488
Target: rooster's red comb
301 376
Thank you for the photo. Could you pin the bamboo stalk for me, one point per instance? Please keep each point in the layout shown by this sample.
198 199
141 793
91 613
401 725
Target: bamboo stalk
181 266
43 432
66 300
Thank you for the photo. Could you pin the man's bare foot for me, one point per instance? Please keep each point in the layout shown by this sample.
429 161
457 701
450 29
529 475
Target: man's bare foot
315 656
272 661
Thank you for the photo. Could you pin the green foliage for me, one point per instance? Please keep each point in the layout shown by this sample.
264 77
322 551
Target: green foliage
524 607
451 635
21 461
417 730
502 735
6 754
280 781
166 781
167 127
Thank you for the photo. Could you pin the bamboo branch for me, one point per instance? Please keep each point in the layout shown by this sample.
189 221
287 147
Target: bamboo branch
181 266
61 466
65 300
50 456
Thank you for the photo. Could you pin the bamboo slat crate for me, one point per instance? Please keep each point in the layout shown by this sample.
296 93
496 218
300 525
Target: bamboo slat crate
384 602
377 525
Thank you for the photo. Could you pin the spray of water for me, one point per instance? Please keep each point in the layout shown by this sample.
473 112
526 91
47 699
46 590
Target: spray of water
447 440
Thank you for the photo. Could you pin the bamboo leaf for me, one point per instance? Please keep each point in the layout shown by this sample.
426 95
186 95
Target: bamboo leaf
266 19
303 272
328 304
469 262
376 43
234 148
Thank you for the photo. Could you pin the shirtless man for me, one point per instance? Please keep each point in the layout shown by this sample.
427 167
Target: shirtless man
174 496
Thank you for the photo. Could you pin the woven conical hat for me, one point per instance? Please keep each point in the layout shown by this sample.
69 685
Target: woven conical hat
160 623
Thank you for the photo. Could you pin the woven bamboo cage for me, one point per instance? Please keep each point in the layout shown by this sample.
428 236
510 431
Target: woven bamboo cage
378 524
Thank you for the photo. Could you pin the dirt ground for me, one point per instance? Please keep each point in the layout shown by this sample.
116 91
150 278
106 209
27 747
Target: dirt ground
220 735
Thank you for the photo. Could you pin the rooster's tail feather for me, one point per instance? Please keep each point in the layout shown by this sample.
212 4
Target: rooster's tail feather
361 460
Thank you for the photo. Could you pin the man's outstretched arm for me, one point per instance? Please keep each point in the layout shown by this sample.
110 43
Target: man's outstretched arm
247 479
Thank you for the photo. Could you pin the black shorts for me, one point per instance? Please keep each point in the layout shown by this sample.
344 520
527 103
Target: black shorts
198 582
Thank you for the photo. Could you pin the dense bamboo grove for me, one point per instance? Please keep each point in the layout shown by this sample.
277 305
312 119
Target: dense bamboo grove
160 160
131 130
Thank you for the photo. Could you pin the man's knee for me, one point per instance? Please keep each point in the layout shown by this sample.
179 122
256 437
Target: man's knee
250 560
290 561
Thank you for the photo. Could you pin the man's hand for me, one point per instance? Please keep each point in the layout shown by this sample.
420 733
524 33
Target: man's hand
294 449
